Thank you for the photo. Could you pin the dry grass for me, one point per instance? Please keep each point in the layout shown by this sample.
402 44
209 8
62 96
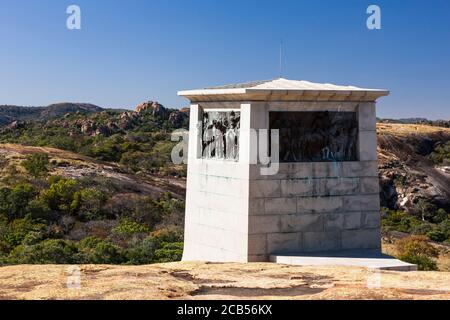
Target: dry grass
408 129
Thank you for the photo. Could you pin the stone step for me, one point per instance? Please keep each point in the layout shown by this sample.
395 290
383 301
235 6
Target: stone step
357 258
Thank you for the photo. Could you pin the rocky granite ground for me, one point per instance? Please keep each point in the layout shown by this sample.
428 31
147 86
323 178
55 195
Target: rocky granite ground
406 172
197 280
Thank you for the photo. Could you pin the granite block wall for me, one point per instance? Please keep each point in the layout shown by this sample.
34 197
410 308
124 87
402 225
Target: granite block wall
234 213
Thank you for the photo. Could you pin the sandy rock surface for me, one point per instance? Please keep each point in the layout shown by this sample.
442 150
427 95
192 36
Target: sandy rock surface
197 280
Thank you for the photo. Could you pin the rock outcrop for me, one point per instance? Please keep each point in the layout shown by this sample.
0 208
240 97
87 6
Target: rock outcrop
407 175
235 281
154 108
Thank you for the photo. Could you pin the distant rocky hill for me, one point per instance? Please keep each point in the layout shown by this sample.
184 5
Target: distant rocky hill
437 123
10 114
108 122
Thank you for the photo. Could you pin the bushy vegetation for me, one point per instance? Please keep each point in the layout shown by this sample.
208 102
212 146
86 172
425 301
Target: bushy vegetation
92 250
422 227
441 154
436 228
417 250
36 164
50 219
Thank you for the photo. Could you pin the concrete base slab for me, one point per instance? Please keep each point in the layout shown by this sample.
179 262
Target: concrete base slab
371 259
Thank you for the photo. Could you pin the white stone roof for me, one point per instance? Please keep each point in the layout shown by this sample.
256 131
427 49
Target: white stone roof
281 88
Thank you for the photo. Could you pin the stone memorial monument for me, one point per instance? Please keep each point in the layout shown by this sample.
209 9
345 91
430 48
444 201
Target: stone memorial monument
281 167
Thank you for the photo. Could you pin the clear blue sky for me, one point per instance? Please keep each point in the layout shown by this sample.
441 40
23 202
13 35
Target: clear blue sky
131 51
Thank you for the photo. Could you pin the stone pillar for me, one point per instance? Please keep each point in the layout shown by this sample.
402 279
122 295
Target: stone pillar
216 223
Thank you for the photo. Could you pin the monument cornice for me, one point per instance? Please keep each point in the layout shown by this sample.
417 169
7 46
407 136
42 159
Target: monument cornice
283 90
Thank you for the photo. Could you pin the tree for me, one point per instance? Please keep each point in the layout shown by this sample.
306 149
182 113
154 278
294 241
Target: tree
14 203
95 250
36 164
427 210
169 252
61 195
50 251
142 252
128 227
89 203
416 250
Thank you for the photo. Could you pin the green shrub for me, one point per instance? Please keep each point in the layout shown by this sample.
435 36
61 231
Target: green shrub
4 202
51 251
422 229
142 252
167 235
169 252
16 231
97 251
147 210
400 221
416 249
441 154
5 247
33 237
14 202
61 195
89 202
39 209
424 263
128 227
444 226
426 210
437 235
36 164
135 160
441 216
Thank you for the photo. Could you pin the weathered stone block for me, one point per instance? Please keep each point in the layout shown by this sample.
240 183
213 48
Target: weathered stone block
352 220
221 203
360 169
370 185
333 222
281 205
258 258
301 222
338 186
300 170
256 206
367 116
321 241
319 204
264 224
303 187
257 244
265 188
368 146
362 202
372 219
283 242
361 239
326 169
224 186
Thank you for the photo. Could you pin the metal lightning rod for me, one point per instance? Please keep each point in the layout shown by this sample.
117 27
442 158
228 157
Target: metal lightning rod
281 58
